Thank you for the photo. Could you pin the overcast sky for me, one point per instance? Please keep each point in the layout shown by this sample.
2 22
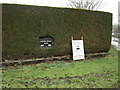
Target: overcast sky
107 5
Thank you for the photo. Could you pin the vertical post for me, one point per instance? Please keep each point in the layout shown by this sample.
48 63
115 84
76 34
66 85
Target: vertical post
72 38
83 46
81 38
72 46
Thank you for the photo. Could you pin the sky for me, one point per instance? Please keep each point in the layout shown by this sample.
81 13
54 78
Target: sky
107 5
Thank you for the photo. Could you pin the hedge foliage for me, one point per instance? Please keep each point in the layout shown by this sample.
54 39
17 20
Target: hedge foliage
22 25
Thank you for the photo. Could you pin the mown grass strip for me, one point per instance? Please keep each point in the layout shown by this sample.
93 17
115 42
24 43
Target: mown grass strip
97 72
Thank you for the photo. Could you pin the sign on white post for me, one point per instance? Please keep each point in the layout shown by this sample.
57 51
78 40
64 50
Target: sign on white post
78 49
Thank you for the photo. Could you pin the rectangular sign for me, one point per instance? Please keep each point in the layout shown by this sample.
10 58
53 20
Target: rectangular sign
78 49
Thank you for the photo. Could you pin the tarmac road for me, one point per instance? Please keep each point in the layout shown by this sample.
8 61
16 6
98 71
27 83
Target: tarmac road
116 43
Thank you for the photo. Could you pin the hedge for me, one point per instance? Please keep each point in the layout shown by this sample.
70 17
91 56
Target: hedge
22 25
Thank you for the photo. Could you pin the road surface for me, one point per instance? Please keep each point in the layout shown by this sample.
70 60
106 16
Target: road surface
116 43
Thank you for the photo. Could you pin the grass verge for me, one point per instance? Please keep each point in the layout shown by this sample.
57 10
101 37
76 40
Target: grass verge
93 73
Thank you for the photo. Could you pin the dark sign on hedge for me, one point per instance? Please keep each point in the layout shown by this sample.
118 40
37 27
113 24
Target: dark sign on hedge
46 41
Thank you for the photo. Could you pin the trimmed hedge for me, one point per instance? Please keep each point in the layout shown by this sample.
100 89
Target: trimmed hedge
23 25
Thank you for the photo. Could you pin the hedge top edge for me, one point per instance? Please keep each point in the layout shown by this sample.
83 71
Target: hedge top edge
55 7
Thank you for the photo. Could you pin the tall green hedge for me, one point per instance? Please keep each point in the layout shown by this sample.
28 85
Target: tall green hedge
22 25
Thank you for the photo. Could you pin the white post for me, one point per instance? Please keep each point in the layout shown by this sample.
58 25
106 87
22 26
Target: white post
72 38
81 38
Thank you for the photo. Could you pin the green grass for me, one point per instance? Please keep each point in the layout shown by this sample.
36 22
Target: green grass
93 73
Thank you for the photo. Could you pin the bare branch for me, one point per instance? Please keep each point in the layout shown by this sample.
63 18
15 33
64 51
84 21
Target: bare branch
14 1
85 4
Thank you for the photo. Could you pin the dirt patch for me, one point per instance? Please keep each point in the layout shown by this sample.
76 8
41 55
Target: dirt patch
68 79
